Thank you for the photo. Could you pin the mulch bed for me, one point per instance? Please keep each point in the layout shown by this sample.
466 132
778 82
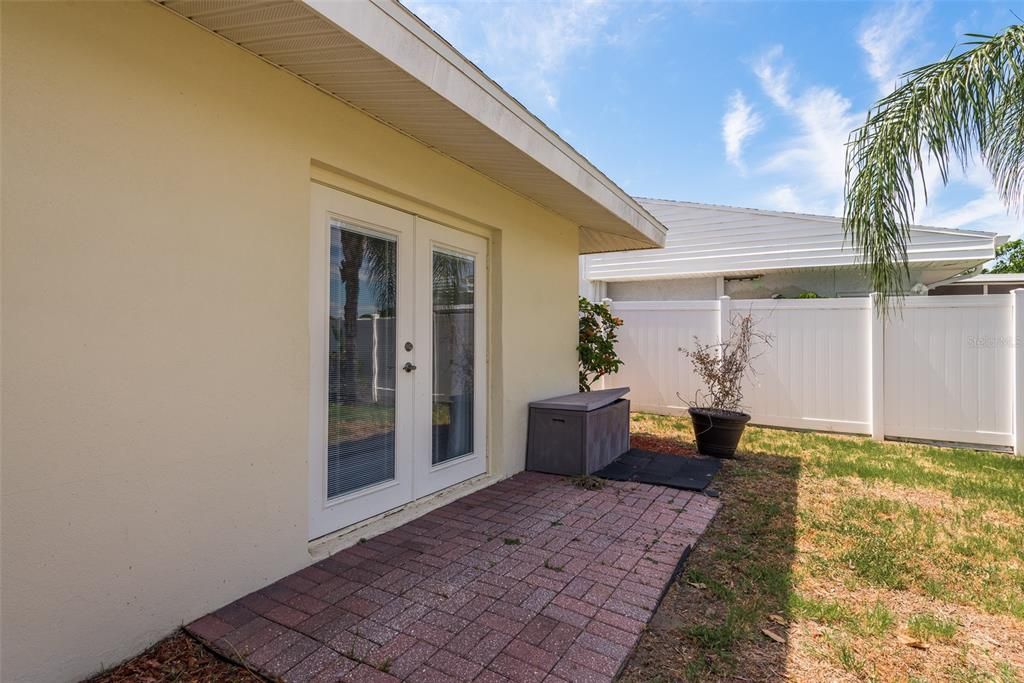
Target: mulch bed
176 658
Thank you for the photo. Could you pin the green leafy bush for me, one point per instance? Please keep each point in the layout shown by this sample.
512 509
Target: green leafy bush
597 343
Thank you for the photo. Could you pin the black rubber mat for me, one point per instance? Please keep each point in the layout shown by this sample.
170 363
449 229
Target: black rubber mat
689 473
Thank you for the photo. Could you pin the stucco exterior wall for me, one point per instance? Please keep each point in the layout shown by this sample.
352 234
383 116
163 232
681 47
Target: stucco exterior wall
155 344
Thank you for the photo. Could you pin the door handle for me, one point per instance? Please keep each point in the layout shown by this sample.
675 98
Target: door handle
408 367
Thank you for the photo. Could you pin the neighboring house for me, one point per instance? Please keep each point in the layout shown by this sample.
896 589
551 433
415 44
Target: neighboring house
986 283
214 215
757 254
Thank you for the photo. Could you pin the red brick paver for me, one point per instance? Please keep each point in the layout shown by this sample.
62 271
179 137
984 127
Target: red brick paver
532 579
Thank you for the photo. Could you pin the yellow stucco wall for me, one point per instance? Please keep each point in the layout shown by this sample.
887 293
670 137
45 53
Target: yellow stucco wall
155 347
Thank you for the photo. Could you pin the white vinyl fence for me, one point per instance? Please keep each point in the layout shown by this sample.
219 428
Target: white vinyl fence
943 368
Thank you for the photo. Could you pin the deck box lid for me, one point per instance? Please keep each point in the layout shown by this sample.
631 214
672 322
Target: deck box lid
582 402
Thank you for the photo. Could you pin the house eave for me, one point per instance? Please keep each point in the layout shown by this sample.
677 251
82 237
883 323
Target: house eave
380 58
926 264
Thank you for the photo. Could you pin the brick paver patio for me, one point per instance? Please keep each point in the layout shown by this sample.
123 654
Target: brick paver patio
532 579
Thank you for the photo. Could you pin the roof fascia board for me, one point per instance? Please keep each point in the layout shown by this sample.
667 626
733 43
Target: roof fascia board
992 278
403 39
966 263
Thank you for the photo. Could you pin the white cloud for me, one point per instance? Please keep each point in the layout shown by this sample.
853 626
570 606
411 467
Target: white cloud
739 123
887 37
984 207
445 18
986 211
823 120
783 198
815 155
786 197
542 37
527 46
808 168
774 77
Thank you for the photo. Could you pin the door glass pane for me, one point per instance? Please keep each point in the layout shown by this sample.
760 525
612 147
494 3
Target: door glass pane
361 384
453 316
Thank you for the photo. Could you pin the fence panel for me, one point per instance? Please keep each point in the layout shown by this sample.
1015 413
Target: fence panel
813 376
652 334
948 362
941 370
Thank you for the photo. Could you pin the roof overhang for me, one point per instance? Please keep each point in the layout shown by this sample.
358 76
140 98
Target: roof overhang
992 279
812 217
380 58
749 273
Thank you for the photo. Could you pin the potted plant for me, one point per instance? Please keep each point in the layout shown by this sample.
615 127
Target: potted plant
718 420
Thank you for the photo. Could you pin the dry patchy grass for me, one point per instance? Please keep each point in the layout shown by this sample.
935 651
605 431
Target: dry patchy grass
871 561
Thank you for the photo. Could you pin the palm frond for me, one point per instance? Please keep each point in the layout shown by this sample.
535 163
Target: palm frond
943 113
453 277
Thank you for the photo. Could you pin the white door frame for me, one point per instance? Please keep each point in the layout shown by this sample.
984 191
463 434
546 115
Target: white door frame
326 206
415 475
427 477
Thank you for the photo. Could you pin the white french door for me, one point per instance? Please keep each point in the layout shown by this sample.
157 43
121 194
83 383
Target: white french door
398 319
451 324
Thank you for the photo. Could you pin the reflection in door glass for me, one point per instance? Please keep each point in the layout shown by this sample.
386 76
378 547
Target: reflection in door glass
361 375
453 317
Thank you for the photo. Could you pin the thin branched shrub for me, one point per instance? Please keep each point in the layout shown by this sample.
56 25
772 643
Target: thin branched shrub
721 367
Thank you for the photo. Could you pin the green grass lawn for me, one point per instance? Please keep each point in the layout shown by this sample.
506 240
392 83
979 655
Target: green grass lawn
868 561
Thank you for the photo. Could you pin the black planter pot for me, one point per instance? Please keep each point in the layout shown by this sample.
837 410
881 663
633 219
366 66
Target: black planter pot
717 431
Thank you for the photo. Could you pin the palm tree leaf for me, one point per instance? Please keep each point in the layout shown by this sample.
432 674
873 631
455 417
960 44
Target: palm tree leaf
968 104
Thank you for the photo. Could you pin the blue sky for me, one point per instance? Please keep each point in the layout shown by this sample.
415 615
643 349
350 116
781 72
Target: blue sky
742 103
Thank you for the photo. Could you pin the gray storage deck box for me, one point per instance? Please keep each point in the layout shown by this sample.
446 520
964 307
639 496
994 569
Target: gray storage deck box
578 433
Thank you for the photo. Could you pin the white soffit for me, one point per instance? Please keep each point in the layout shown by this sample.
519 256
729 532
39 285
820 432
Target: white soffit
380 58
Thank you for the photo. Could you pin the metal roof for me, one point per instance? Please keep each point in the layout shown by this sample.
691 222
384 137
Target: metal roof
795 215
380 58
710 240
